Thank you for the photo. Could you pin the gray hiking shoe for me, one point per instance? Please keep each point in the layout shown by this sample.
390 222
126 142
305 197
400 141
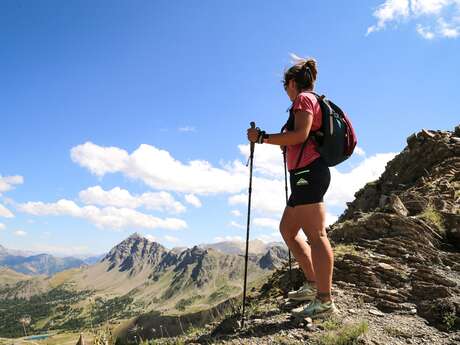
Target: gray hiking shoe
315 309
307 292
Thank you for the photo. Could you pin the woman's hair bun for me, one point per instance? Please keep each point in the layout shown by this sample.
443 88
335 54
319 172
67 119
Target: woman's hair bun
304 72
311 64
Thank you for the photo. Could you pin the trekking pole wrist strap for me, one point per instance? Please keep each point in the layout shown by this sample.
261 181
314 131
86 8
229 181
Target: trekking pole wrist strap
262 135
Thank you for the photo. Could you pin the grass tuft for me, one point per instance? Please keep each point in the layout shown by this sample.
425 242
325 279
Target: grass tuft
347 335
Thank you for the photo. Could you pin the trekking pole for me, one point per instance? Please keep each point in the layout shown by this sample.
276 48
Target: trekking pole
286 189
250 161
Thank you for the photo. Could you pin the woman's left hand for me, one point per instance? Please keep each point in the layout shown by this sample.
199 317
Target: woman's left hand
253 134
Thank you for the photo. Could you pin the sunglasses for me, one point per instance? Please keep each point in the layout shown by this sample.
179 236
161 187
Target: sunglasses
285 84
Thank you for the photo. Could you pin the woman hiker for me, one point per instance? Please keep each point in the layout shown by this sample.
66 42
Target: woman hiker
309 181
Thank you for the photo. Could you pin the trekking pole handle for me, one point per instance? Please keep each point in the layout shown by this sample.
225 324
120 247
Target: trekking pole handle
253 125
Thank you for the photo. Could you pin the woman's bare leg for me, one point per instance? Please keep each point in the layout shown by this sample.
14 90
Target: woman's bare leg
312 219
289 228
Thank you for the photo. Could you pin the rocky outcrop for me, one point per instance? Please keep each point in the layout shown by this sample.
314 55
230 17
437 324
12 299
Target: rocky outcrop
404 230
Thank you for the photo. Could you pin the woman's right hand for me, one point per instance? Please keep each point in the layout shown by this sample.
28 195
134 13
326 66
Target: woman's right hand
253 134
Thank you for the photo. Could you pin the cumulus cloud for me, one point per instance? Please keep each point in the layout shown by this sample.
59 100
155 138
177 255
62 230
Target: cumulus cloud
4 212
193 200
151 238
117 197
159 170
359 151
2 226
235 213
344 185
237 225
171 239
99 160
20 233
228 239
267 223
268 160
268 197
7 182
272 237
440 18
107 217
425 32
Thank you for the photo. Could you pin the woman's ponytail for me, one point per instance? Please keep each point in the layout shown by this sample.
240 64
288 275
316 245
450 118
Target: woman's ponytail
304 73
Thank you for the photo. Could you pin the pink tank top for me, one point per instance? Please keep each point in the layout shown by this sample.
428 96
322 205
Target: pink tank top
307 102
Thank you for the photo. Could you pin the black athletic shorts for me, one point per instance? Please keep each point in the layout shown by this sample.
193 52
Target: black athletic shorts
310 183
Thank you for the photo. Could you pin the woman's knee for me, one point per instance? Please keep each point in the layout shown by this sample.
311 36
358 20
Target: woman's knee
316 237
288 232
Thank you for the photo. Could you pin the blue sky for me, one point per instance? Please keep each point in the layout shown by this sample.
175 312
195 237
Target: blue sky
119 117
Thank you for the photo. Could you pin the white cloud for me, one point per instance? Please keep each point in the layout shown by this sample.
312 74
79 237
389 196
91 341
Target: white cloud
268 160
2 226
171 239
442 15
236 225
425 32
20 233
449 30
159 170
330 218
7 182
273 237
117 197
359 151
228 238
107 217
151 238
267 223
389 11
99 160
268 197
344 185
235 213
4 212
187 129
193 200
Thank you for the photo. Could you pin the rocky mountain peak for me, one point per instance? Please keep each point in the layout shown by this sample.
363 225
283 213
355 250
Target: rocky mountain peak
135 252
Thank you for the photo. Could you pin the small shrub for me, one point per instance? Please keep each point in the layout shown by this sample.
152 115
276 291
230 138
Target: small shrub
433 216
449 321
347 335
395 332
331 324
342 249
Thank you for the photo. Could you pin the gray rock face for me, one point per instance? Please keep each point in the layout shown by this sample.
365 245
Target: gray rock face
274 258
404 231
134 254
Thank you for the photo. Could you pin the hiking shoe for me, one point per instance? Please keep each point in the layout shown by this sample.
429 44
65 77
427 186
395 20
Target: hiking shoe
315 309
289 304
307 292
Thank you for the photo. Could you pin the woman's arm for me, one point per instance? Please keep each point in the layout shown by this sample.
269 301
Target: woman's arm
303 121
